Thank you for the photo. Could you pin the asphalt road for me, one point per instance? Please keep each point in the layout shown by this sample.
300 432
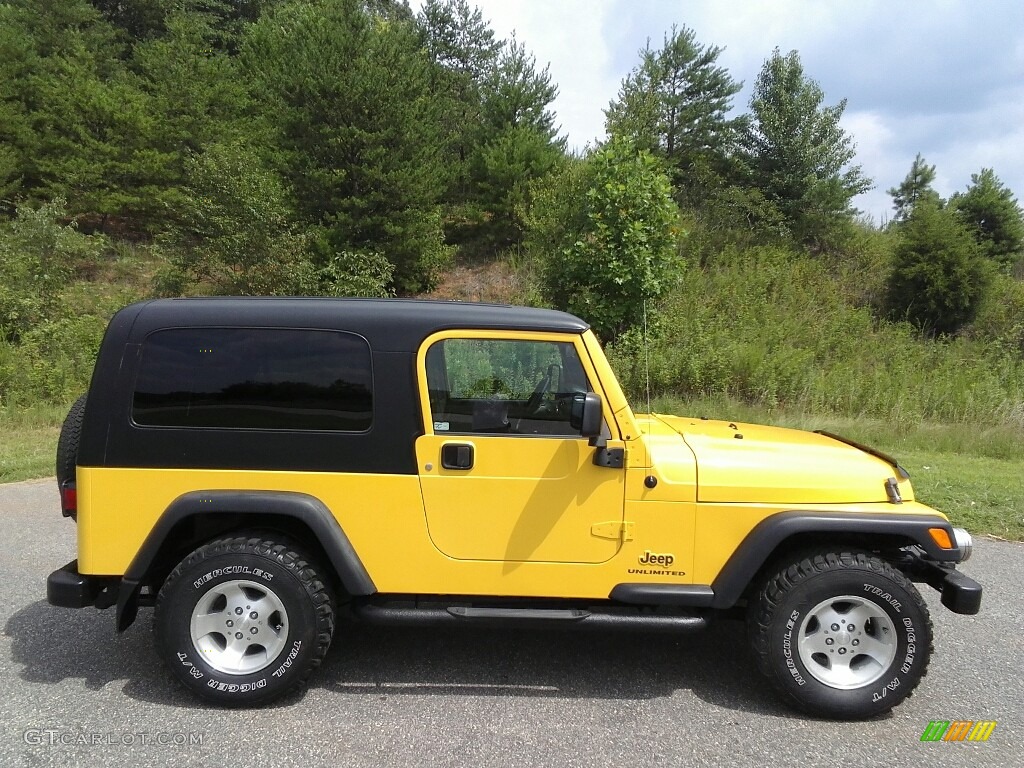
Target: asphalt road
73 692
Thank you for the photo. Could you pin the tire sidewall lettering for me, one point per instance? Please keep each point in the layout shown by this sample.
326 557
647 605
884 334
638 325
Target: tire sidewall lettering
222 687
885 595
289 659
787 648
232 570
193 670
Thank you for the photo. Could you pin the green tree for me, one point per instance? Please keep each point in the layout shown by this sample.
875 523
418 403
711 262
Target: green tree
915 188
517 141
104 101
115 143
459 40
142 20
137 19
60 67
515 93
93 148
939 276
675 103
358 135
234 232
613 247
464 49
994 217
236 235
797 154
193 96
18 63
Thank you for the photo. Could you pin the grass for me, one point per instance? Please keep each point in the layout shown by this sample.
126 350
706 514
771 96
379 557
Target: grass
981 494
29 446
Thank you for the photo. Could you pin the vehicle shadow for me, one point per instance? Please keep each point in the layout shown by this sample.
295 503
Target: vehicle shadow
51 645
715 665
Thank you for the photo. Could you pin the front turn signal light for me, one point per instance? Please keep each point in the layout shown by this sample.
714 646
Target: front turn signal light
941 537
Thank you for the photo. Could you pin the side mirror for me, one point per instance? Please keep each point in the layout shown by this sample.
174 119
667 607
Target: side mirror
585 414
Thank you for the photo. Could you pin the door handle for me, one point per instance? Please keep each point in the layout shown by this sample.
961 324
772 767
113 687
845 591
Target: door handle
457 456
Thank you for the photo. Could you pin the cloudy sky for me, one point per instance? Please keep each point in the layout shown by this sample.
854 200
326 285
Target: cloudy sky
944 78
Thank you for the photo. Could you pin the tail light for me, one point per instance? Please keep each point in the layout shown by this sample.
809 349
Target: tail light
69 500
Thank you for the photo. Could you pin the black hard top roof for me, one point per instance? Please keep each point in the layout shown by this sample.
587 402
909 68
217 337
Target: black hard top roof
391 325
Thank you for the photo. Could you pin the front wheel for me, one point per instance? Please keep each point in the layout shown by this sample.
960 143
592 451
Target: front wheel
242 621
841 634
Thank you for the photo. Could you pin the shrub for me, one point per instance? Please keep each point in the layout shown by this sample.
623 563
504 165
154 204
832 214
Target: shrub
38 256
939 276
1000 321
233 232
343 272
56 359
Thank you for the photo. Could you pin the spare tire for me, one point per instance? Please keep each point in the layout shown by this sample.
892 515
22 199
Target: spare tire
67 444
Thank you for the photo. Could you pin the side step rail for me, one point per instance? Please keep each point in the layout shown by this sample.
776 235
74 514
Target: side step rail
594 618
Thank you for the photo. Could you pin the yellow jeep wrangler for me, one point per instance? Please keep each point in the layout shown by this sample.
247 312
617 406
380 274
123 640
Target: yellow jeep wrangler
252 467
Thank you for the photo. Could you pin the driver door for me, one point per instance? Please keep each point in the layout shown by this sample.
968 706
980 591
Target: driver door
503 473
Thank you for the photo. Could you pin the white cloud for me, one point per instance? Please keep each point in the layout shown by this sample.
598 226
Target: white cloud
874 138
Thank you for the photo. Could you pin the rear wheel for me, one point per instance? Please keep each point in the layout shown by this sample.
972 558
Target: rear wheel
243 621
841 634
67 443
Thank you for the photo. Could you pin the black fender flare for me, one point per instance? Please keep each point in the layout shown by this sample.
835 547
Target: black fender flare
304 508
759 545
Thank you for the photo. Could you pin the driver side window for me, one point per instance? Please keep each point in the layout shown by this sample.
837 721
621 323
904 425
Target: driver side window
499 386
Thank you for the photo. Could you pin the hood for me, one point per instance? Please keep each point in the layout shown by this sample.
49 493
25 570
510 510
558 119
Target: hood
749 463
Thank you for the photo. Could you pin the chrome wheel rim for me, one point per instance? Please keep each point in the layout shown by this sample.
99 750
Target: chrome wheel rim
847 642
239 627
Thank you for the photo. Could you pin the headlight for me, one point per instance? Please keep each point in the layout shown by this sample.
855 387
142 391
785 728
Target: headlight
964 542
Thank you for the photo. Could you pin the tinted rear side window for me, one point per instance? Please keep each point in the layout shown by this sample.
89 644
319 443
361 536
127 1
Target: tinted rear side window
254 378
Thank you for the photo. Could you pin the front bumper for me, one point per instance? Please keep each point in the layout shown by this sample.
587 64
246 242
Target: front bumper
960 593
67 588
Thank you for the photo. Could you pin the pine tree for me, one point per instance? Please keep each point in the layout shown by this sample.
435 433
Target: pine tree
797 154
915 188
142 20
136 19
464 51
517 140
115 143
193 97
994 217
60 92
359 136
459 41
939 279
675 104
18 63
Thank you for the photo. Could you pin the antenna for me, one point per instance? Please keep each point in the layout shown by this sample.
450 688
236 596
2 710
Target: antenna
647 360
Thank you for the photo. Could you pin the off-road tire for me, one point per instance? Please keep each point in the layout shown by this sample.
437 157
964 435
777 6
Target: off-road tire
67 443
788 638
256 571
